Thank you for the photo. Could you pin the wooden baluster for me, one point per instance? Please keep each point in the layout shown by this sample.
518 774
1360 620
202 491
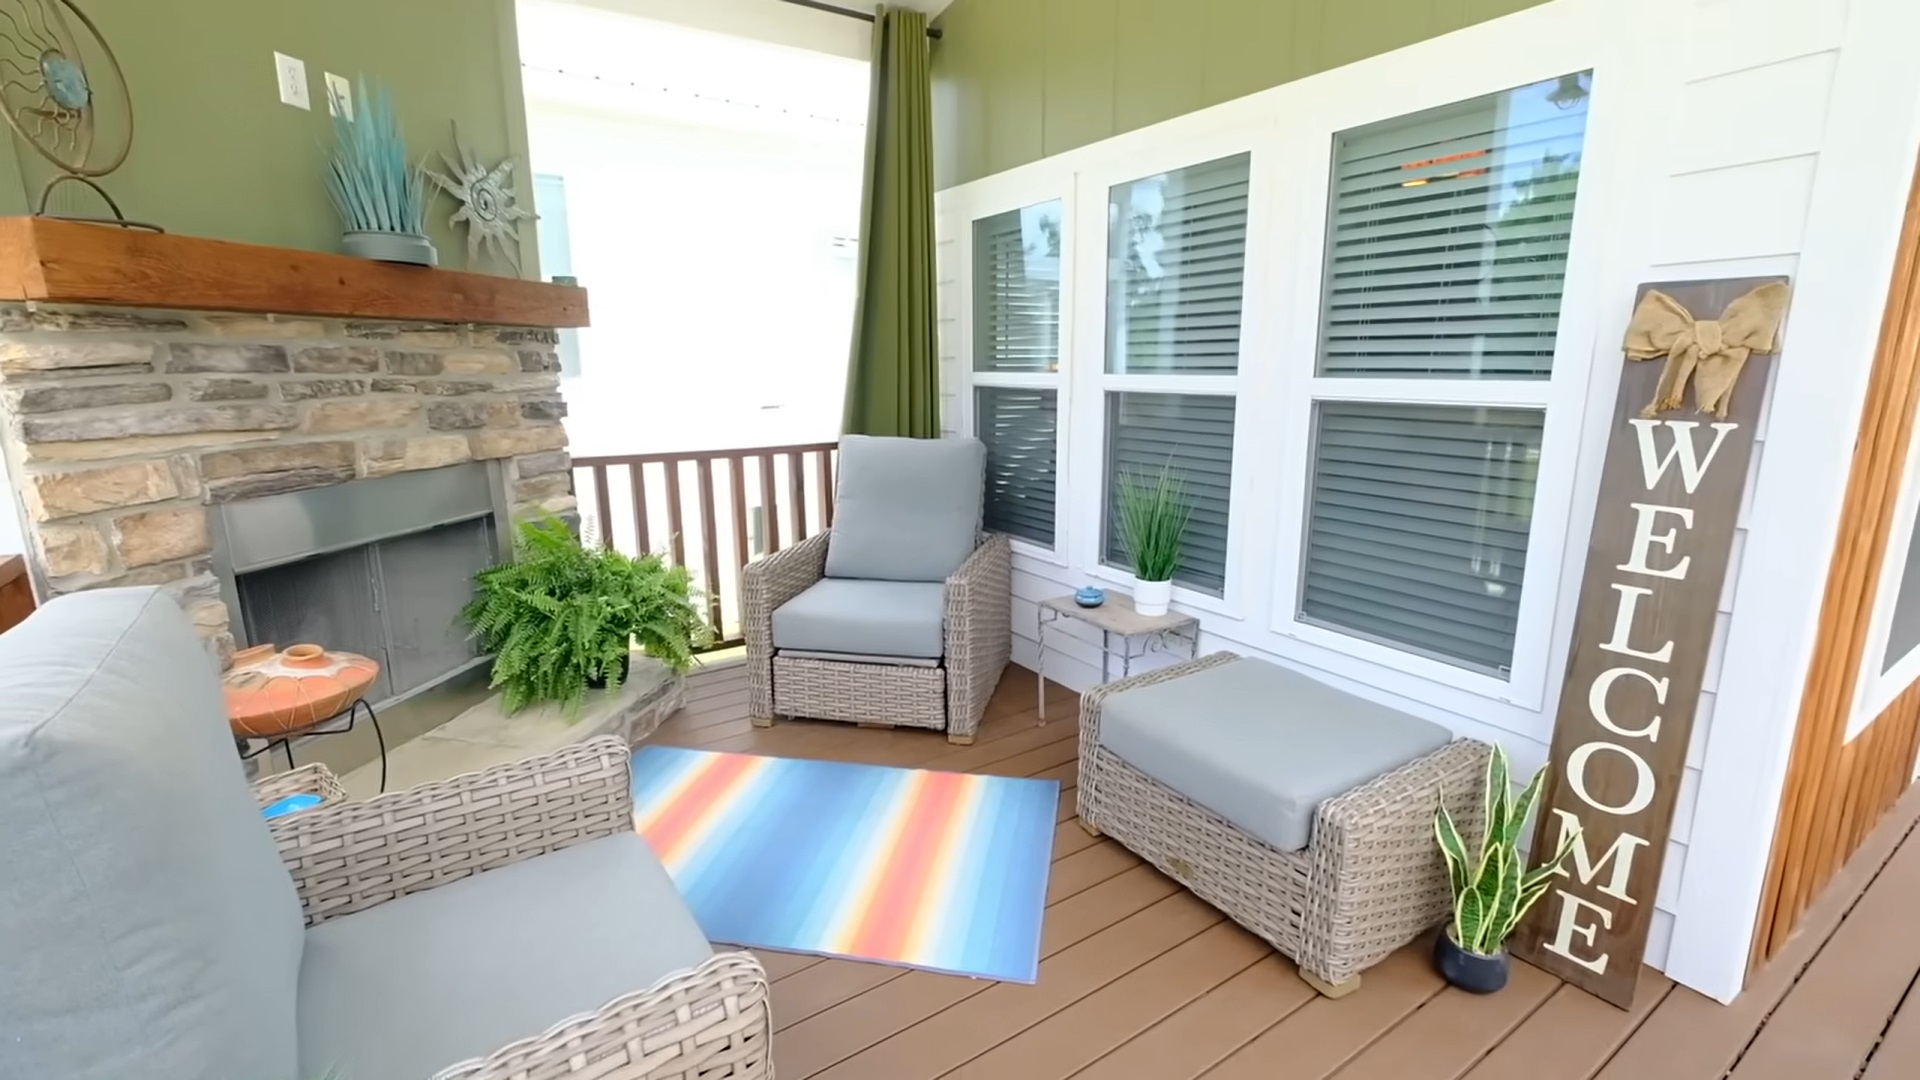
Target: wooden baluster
824 466
770 506
637 476
676 542
737 489
797 496
709 543
603 506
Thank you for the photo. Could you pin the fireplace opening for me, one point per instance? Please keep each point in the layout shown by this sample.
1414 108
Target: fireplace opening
379 567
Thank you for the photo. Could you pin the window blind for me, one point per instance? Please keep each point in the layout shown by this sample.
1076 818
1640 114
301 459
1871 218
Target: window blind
1193 433
1019 427
1177 252
1448 235
1016 290
1417 533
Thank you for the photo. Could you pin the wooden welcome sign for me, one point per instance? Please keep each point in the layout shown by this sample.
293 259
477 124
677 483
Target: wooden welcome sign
1670 492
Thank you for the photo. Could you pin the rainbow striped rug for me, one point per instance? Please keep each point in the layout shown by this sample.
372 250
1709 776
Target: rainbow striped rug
936 870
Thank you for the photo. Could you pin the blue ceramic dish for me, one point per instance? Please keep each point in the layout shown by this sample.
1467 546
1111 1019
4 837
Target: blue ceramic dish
1088 596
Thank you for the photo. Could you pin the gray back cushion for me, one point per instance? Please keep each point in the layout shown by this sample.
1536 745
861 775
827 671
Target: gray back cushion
147 926
907 509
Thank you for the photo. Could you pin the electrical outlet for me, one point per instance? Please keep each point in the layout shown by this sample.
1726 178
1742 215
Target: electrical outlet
339 96
291 73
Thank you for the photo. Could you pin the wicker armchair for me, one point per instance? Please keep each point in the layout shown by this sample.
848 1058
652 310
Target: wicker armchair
1369 881
945 689
710 1021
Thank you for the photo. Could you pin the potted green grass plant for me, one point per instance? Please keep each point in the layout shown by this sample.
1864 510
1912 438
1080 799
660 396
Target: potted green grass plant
1153 511
562 618
1492 889
381 197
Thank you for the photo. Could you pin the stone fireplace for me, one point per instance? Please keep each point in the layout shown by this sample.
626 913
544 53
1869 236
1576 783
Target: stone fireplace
258 461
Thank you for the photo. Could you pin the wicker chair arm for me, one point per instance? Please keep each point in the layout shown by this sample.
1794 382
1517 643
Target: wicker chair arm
351 856
764 586
315 779
785 574
978 639
1376 871
708 1021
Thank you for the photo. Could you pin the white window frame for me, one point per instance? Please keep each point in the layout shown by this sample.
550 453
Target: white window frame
1289 130
986 199
1092 383
1874 689
1562 398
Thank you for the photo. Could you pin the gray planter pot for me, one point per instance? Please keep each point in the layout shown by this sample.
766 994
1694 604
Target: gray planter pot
391 247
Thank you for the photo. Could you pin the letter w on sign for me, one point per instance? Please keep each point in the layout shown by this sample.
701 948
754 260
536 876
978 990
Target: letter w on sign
1670 492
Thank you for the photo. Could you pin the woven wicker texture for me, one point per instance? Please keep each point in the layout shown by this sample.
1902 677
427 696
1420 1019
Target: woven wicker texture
952 697
709 1023
315 779
1370 880
349 856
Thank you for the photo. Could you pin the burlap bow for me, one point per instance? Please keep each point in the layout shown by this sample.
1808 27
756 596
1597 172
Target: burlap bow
1708 352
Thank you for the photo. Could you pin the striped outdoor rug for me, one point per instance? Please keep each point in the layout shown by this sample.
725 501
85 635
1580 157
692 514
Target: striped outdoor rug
936 870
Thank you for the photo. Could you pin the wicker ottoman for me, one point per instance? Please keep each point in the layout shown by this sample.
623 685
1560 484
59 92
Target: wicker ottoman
1303 813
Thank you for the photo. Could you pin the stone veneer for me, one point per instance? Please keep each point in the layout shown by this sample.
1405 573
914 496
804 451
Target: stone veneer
121 426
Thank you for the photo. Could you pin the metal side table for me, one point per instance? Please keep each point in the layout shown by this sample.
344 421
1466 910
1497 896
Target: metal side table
1118 623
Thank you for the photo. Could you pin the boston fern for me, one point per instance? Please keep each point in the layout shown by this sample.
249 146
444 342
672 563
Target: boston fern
562 616
1492 889
1153 510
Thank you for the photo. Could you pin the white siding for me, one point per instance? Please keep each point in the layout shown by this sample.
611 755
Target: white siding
1712 150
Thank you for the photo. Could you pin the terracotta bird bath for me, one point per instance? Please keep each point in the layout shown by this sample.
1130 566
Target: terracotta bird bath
274 693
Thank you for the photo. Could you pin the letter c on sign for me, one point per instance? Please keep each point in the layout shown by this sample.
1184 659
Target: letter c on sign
1642 778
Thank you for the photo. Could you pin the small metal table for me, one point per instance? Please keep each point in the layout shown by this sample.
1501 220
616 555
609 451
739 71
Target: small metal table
1116 619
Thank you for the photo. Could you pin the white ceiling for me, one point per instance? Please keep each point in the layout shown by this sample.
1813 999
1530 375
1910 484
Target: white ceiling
765 20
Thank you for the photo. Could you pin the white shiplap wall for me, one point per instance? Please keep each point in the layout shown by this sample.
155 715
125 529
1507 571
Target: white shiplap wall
1714 150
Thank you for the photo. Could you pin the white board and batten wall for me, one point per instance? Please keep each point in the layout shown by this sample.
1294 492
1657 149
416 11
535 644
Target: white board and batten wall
1778 140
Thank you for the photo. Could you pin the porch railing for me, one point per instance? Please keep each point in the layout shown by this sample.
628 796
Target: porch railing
711 511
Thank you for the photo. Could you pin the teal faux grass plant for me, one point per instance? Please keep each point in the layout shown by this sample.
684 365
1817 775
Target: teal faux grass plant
375 189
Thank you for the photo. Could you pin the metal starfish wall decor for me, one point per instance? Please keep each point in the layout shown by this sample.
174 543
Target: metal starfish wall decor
488 204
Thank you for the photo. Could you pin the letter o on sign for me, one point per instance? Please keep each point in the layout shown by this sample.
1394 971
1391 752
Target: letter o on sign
1642 778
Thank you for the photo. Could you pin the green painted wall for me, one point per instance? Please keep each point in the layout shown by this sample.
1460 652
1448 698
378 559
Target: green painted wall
216 154
1019 80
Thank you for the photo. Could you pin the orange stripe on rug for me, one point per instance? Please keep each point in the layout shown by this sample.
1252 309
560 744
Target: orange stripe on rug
896 900
684 813
884 838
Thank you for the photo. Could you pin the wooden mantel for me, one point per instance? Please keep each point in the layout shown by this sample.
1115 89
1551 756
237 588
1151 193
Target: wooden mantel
68 262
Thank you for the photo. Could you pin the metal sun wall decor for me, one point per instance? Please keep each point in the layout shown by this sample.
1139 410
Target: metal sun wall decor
488 205
76 113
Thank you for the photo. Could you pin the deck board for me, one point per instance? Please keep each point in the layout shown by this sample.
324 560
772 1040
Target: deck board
1141 980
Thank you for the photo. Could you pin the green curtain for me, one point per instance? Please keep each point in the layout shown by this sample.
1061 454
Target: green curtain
893 374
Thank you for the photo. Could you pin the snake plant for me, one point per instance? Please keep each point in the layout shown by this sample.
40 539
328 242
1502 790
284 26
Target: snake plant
1492 889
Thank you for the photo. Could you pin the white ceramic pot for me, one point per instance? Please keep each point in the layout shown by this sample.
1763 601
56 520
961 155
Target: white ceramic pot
1152 597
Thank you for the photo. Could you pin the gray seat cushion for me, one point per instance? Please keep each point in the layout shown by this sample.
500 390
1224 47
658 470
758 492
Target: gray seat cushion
1261 745
876 618
906 509
147 925
414 985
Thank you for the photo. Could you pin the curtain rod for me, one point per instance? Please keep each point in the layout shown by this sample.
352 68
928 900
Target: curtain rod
864 16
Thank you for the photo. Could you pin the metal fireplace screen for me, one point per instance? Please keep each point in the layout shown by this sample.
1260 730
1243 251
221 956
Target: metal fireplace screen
380 567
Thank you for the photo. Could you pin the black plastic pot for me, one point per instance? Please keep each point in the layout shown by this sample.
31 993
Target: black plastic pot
1472 972
598 680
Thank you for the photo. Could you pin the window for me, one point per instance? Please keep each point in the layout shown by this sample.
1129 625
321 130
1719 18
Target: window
1194 434
1447 249
1176 267
1016 364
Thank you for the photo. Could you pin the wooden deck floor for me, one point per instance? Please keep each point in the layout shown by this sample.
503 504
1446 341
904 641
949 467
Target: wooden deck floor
1138 979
